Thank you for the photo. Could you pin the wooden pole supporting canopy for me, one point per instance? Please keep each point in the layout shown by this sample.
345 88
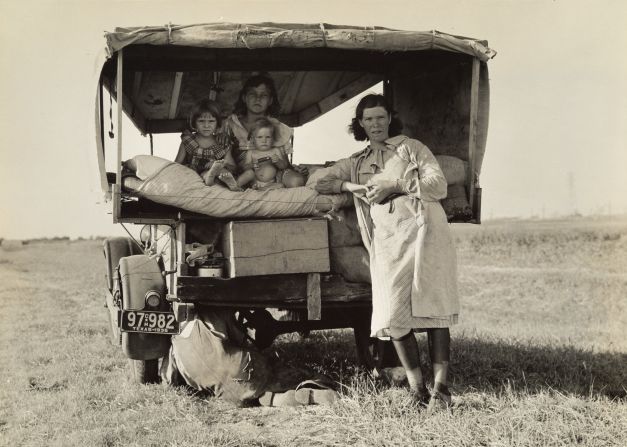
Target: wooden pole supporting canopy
119 100
473 181
176 93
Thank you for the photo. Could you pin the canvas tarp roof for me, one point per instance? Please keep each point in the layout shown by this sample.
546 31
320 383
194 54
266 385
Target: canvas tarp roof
277 35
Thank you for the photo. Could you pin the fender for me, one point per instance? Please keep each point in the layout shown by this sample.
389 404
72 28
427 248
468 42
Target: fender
140 274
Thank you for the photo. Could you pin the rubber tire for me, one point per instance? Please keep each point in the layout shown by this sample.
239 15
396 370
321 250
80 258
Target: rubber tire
144 371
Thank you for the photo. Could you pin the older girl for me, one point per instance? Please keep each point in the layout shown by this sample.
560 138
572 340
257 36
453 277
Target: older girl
258 99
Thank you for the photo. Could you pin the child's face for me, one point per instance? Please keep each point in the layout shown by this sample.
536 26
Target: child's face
206 124
258 99
263 139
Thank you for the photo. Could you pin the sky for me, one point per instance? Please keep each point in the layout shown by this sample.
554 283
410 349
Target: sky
557 138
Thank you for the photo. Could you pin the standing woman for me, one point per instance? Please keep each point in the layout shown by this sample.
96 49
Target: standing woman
397 184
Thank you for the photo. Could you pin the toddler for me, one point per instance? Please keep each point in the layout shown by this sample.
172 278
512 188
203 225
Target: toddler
265 166
202 152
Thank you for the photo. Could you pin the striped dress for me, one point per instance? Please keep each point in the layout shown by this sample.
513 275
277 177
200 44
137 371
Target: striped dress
412 254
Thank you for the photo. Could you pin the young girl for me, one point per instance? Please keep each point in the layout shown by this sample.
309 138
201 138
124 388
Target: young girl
200 151
262 163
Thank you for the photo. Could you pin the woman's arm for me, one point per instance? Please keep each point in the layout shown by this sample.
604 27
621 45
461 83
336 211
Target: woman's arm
430 184
337 174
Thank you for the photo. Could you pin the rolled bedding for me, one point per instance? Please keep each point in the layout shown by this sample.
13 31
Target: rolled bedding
169 183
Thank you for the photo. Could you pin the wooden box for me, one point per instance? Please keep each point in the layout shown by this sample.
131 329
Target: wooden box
277 246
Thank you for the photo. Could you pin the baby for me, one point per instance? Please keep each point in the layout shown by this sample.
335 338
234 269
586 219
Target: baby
201 151
266 167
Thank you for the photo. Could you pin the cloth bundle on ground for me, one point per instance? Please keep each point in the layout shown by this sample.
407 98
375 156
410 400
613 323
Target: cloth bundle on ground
212 354
169 183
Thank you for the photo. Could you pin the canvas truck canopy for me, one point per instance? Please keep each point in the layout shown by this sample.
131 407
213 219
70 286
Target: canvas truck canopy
437 82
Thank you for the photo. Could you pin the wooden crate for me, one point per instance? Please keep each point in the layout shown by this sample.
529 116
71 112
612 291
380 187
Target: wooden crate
277 246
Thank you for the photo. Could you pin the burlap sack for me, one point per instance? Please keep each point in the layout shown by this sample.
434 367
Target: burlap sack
455 170
353 263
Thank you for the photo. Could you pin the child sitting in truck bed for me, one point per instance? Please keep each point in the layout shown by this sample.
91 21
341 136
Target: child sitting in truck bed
202 152
266 167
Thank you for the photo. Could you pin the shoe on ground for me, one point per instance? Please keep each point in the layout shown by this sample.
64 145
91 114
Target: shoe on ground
420 397
311 396
439 402
285 399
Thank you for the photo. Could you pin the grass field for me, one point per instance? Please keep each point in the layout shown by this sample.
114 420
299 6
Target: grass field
539 358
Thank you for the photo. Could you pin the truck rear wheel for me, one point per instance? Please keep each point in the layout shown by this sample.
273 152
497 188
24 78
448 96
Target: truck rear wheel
144 371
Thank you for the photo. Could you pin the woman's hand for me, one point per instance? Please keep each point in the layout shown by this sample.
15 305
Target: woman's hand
379 189
355 188
329 185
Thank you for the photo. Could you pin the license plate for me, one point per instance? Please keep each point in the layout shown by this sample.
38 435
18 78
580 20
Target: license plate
148 322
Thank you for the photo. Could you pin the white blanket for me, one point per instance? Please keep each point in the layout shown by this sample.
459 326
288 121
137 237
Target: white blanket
176 185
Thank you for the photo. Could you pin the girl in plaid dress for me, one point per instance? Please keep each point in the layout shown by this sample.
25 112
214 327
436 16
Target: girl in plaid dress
202 152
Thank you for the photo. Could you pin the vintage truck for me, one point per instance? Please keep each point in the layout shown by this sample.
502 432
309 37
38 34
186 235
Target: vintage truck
437 82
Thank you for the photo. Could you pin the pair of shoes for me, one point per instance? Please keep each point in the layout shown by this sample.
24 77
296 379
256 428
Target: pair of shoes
285 399
316 392
439 402
420 396
311 396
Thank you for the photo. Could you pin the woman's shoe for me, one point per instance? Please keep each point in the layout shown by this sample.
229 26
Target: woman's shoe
439 402
420 397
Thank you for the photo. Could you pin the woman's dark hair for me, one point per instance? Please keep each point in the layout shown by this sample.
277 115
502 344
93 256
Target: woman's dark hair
368 102
252 82
205 106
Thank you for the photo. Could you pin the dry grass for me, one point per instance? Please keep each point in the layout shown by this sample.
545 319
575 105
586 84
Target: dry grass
539 357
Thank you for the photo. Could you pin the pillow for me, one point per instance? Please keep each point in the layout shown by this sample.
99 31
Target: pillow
455 170
315 174
145 165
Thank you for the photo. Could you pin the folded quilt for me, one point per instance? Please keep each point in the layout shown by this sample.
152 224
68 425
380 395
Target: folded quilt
176 185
